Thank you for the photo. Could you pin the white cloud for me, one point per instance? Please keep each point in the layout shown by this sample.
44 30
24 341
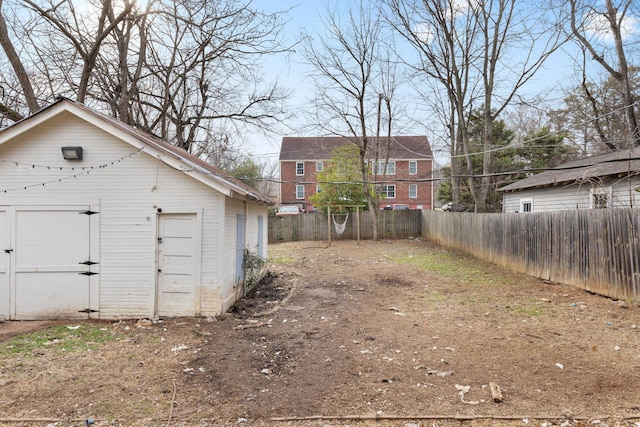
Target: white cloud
457 9
598 26
424 32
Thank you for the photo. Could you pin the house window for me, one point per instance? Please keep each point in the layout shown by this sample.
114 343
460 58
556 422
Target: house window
413 168
391 168
299 191
299 168
319 166
526 205
318 188
389 191
413 191
600 198
600 201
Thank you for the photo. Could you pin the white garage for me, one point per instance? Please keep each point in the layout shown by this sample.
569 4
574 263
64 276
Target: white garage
128 227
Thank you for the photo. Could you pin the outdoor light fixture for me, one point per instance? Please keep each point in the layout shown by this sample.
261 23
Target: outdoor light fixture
72 153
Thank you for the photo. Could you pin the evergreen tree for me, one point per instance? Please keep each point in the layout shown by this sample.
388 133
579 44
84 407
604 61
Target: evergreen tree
246 171
542 150
504 160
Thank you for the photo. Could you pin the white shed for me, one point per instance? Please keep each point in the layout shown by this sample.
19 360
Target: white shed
132 227
605 181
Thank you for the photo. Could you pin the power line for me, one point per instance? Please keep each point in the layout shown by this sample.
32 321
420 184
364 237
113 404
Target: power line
554 133
387 180
520 144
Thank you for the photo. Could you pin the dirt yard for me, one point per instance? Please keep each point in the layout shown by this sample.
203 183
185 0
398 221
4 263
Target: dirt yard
389 333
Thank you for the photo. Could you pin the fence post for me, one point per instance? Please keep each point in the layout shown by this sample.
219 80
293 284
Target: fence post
329 225
358 223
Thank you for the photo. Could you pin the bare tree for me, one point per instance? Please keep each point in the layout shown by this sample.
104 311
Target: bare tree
481 53
203 69
594 113
354 78
595 25
185 70
445 47
86 42
20 72
121 65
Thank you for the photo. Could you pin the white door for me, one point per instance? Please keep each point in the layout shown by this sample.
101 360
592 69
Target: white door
51 253
5 264
177 243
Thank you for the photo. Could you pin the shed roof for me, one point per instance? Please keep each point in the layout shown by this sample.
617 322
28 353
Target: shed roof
206 172
320 148
617 163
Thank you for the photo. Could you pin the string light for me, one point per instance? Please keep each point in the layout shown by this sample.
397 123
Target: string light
86 170
21 165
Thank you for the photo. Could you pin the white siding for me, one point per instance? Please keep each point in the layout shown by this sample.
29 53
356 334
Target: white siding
233 207
253 212
624 193
543 200
129 190
232 290
251 241
4 264
575 196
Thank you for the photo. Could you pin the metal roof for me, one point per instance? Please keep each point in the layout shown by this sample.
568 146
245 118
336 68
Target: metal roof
617 163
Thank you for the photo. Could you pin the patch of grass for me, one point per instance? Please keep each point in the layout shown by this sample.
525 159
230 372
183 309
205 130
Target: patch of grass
527 311
283 260
468 299
63 338
433 297
437 262
280 256
450 265
446 264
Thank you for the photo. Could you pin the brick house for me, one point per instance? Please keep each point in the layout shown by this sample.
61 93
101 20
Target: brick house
409 172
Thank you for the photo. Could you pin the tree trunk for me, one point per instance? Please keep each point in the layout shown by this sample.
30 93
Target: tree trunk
623 76
18 68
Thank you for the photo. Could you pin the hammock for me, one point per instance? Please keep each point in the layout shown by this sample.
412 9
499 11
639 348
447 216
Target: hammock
340 227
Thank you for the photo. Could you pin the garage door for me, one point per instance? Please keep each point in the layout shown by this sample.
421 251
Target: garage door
52 265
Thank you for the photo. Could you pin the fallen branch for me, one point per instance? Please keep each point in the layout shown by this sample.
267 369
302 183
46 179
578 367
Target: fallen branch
253 325
532 336
173 402
48 420
458 417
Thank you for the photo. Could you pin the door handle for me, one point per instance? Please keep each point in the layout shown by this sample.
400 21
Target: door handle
8 251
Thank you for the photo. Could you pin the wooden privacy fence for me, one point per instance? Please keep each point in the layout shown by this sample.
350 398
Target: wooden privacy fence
597 250
313 226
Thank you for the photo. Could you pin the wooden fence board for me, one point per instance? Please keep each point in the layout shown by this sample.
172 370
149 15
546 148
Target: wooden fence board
313 226
597 250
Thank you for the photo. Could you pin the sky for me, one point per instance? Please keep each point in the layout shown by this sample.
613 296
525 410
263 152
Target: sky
303 15
306 15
